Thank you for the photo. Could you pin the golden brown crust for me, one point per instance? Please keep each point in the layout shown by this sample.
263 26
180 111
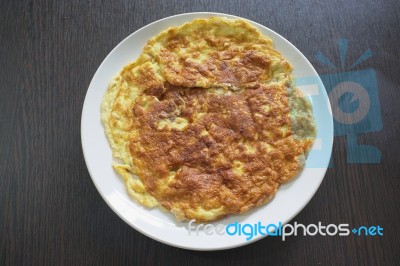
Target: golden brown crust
203 117
205 153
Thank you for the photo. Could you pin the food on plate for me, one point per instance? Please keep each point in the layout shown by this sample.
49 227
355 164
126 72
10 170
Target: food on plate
207 121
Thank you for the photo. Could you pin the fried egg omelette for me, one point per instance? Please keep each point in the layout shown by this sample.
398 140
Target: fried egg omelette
207 121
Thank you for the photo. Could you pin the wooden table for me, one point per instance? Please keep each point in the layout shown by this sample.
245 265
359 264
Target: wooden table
52 214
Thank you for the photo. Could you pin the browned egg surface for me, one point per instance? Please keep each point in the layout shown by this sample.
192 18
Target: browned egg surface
206 121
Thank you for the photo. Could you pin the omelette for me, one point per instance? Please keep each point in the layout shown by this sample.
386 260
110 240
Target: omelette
207 121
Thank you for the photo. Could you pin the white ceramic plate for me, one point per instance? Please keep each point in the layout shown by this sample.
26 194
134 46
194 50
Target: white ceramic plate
159 225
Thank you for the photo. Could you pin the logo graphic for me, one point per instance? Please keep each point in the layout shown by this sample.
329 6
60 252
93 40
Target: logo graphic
355 104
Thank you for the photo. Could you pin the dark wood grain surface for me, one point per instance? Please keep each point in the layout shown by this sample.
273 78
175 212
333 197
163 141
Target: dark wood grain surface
50 211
